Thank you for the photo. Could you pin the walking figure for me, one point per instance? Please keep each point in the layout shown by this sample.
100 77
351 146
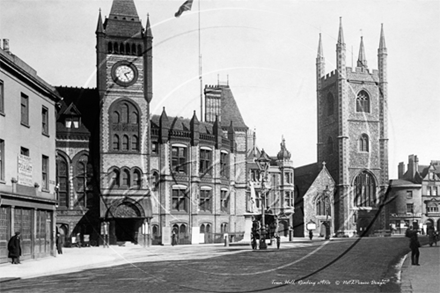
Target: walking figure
174 238
14 248
59 242
414 244
310 234
277 236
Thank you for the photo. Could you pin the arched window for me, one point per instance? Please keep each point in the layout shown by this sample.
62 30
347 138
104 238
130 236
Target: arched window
125 116
125 143
115 48
121 50
62 182
136 178
134 117
125 178
330 104
116 118
133 49
365 190
139 50
81 177
330 145
134 143
116 142
202 228
127 49
114 178
364 143
363 102
124 132
110 48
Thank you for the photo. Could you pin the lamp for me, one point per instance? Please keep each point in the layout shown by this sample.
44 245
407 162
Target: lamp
263 163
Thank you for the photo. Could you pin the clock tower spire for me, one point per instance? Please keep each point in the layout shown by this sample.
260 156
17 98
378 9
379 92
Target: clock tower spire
124 81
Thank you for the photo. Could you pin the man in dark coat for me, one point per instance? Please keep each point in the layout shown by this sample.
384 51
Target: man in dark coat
14 248
414 244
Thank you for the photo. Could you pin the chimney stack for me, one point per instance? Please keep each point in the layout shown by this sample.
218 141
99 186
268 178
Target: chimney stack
400 170
411 167
6 45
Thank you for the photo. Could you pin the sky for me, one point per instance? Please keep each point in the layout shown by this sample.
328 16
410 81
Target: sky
266 50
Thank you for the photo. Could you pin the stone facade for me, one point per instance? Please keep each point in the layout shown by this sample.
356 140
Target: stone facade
352 138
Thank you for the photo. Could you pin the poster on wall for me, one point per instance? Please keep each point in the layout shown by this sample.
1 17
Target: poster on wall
24 170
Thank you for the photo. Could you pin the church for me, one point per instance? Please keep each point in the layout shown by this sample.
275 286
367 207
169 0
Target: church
342 194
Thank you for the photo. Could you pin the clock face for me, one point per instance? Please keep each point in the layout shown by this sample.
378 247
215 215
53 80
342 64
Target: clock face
124 73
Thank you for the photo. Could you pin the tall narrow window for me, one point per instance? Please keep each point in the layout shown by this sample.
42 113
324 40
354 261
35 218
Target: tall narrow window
115 142
205 162
179 161
365 190
63 182
179 200
363 102
125 178
125 142
224 164
364 143
45 121
134 143
409 208
288 199
2 98
205 200
81 180
110 48
2 159
24 109
45 173
136 178
224 201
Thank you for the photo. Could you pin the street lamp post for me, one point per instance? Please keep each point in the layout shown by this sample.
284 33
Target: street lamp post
263 163
327 211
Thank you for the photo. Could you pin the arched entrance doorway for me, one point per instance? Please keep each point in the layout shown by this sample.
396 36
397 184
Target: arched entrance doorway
362 227
126 218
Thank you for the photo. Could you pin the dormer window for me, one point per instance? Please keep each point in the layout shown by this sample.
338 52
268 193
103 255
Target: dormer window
72 122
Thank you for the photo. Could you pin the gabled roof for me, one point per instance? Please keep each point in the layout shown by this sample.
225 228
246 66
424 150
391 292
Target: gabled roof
305 176
180 123
71 110
86 102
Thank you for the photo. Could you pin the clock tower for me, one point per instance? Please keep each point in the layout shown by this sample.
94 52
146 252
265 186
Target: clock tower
124 81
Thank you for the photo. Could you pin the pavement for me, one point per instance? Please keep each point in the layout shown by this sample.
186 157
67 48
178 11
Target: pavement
423 278
78 259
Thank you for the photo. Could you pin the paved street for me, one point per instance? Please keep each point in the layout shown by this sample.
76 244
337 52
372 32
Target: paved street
342 265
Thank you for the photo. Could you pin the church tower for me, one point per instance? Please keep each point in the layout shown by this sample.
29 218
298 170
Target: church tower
124 81
352 136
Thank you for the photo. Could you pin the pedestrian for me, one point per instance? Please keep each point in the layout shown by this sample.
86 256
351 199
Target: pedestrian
310 234
414 245
277 236
431 235
59 242
14 248
254 242
78 239
174 238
